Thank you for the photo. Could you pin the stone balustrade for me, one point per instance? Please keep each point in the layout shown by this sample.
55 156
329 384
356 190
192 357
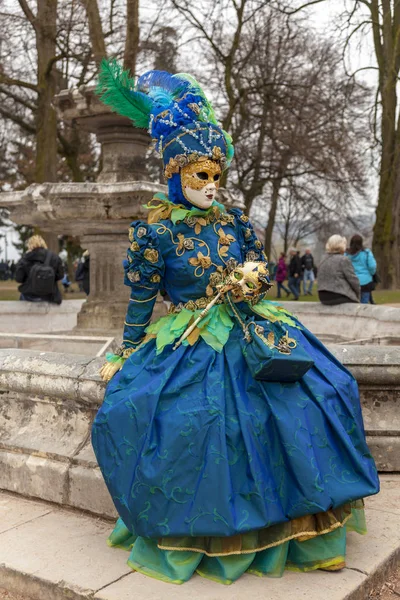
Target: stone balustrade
38 317
347 321
48 401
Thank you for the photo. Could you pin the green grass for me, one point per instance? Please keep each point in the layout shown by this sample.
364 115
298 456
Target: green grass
9 291
380 296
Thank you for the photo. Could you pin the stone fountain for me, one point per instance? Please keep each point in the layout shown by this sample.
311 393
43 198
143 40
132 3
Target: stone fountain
98 213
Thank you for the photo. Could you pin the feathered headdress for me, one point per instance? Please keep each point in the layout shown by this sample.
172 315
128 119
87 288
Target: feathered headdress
173 108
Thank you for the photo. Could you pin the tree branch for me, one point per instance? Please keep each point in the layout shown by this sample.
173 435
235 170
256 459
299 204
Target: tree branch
17 98
302 7
17 82
28 127
28 12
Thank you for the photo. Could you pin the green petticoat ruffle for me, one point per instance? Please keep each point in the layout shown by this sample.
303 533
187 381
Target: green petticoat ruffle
214 328
323 551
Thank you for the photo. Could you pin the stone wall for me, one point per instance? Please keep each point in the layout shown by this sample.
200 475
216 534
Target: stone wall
38 317
347 321
48 401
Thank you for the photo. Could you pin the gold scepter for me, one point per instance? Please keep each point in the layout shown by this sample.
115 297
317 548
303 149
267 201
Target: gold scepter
201 316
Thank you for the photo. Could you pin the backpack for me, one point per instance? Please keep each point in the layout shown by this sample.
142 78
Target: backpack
42 278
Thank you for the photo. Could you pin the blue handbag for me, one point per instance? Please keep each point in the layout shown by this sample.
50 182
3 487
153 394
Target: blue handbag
270 354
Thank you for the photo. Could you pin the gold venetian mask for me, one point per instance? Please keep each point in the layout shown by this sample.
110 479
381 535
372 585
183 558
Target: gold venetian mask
249 280
200 182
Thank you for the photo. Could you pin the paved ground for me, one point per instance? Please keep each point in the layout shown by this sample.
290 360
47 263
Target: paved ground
47 552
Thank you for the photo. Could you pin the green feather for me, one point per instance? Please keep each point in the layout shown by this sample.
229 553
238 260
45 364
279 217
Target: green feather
116 89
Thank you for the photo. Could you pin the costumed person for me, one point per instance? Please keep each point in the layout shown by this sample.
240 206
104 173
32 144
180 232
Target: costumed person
230 439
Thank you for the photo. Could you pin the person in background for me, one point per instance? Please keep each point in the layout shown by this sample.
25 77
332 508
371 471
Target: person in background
364 265
281 275
13 267
38 272
307 262
337 281
82 274
294 273
3 270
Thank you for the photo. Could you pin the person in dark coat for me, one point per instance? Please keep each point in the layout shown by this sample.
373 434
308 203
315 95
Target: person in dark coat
37 252
82 274
307 263
295 273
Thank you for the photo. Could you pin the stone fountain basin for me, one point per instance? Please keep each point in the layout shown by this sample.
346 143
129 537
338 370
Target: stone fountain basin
93 346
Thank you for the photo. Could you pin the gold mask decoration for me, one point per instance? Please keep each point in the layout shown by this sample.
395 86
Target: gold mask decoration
200 182
249 280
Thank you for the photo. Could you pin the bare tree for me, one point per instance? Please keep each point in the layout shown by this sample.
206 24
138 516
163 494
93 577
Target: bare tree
294 116
302 128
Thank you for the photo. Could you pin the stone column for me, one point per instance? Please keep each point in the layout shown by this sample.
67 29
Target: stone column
124 150
124 153
108 298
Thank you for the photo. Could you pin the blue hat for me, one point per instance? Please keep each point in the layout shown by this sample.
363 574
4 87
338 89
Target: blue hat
174 109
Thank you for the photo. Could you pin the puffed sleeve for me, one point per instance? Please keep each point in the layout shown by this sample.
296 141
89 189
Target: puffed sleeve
252 248
144 271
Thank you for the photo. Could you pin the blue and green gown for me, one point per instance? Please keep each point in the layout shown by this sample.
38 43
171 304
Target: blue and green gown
210 470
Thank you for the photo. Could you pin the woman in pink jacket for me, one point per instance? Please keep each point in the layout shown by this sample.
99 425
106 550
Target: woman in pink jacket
281 276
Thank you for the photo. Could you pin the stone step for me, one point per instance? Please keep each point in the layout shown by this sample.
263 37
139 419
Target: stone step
49 553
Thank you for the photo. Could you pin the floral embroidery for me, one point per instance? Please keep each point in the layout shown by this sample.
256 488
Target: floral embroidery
141 232
201 261
135 247
225 238
185 243
214 279
244 218
190 221
196 222
201 302
252 255
231 264
227 218
133 276
155 278
258 244
247 233
151 255
131 232
190 305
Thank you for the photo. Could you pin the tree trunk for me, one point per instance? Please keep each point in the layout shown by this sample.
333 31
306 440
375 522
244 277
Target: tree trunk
386 242
384 237
95 30
132 35
46 120
276 186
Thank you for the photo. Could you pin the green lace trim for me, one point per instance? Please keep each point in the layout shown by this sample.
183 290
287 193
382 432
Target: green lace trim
178 212
214 328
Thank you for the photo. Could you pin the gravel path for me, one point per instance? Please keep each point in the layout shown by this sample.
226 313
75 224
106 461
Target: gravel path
390 590
4 595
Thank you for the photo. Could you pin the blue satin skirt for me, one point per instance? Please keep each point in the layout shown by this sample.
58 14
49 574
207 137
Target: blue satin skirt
190 444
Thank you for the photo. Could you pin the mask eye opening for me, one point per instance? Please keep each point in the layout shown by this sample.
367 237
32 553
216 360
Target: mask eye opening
202 175
237 275
216 177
